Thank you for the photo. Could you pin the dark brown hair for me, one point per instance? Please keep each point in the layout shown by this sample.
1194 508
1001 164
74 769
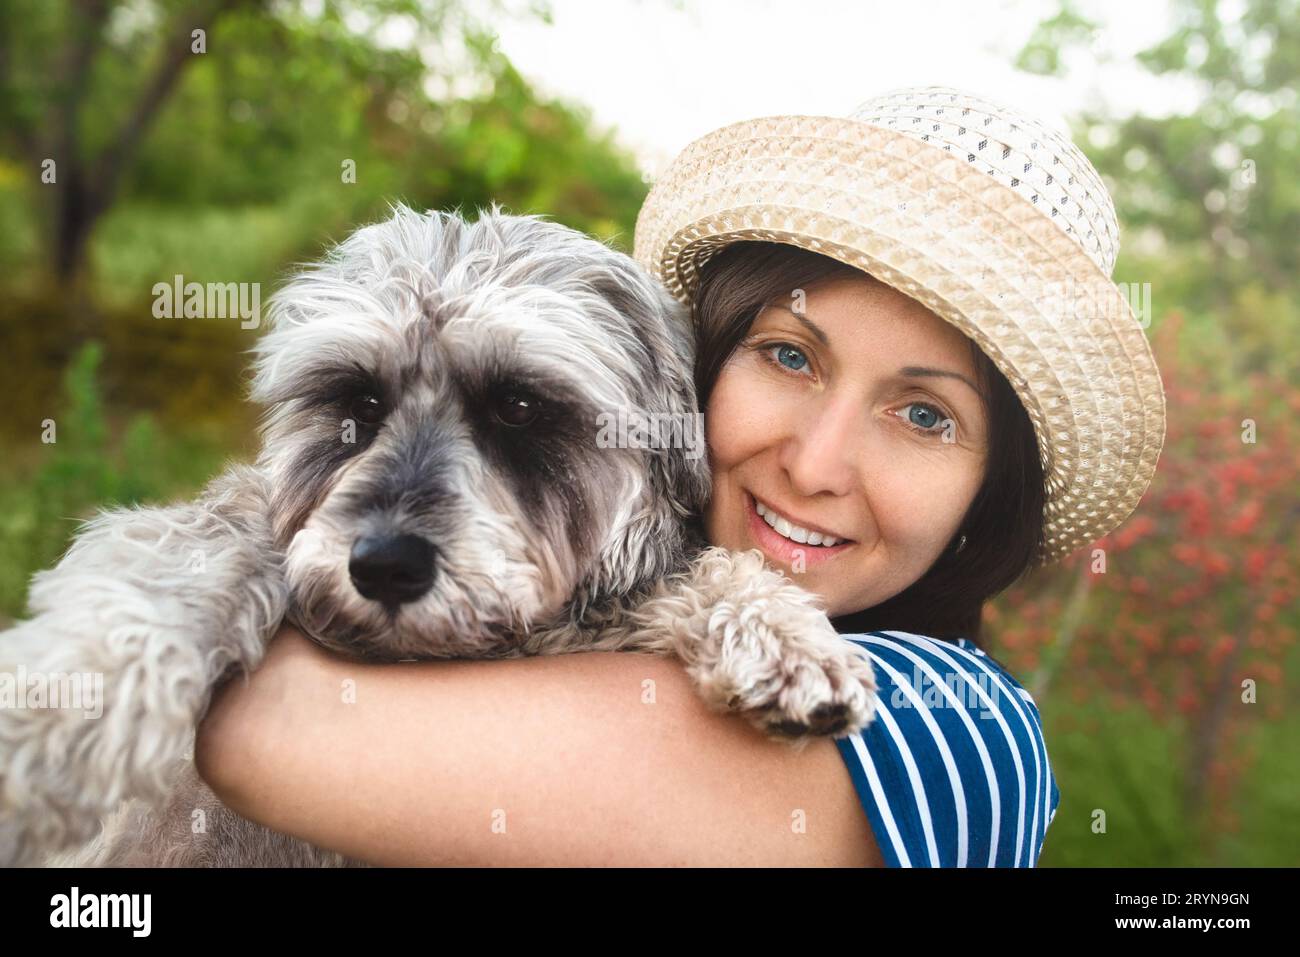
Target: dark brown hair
1004 523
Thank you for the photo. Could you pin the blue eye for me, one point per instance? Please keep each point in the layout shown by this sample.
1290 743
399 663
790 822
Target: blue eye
927 413
924 418
791 358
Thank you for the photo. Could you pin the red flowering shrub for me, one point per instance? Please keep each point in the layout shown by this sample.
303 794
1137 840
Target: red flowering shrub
1198 603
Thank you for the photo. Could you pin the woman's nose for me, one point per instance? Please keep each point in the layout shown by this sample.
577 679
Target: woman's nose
822 453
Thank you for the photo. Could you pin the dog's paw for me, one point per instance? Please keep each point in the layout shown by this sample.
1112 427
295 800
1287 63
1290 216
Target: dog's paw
788 673
812 695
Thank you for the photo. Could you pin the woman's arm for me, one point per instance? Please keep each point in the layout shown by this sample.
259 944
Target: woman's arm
580 759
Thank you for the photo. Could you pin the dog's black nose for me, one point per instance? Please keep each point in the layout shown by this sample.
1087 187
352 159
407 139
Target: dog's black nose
393 569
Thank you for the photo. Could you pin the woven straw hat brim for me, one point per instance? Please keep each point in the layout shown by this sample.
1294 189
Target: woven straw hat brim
977 254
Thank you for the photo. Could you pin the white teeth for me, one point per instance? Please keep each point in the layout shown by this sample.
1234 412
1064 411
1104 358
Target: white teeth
795 533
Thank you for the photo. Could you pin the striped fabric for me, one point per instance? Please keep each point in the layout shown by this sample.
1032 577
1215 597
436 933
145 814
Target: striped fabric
953 772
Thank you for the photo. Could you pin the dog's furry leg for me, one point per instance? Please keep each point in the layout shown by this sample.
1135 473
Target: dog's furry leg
148 608
192 829
753 642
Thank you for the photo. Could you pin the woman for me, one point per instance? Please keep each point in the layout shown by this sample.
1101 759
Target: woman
919 382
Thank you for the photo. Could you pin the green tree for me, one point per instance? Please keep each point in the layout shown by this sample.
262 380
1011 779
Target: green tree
84 84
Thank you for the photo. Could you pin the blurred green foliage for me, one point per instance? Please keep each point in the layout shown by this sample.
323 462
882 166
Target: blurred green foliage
83 465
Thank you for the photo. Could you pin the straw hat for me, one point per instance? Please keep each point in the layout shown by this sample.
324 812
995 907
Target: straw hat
989 218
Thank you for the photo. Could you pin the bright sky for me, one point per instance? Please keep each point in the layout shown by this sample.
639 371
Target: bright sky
662 76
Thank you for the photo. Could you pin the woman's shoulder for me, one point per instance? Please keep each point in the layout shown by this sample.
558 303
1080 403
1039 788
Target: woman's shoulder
954 769
920 658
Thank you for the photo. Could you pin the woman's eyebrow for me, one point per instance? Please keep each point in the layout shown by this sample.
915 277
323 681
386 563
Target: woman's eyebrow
917 371
808 324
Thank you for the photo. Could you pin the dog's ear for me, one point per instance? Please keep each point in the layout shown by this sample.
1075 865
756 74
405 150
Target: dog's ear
657 538
682 471
666 343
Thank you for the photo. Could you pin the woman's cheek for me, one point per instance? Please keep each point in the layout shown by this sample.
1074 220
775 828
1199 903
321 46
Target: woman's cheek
739 425
737 422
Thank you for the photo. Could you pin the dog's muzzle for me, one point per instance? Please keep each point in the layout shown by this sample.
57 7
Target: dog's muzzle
392 569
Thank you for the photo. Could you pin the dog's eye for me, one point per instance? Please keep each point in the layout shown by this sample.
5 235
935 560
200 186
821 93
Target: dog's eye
517 408
367 410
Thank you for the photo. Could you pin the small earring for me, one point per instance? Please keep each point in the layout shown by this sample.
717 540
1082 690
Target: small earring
960 545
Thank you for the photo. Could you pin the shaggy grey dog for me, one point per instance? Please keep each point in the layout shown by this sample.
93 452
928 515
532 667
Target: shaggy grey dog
430 485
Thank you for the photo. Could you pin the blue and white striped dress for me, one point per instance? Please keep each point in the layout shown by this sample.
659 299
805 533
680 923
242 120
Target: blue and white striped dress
953 772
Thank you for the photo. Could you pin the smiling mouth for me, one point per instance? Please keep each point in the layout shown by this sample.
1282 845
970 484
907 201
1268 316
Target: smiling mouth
778 537
795 533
